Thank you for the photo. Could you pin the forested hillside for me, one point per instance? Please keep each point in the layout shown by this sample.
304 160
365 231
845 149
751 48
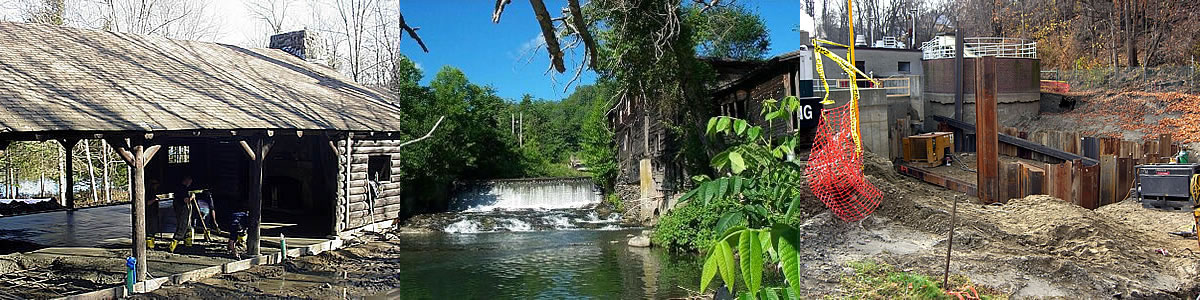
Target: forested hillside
1071 34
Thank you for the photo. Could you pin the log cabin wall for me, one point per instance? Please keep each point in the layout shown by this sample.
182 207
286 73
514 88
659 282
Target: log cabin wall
354 207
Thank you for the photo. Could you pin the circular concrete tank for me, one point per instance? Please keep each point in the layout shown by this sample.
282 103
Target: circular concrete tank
1018 87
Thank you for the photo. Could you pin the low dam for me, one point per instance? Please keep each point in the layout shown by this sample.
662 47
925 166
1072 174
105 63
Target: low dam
526 193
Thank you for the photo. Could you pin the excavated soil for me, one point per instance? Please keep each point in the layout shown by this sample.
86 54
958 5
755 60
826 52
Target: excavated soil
1038 246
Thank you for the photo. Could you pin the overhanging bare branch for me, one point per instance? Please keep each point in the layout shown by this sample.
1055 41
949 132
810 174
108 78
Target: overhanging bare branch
412 32
499 10
547 24
581 28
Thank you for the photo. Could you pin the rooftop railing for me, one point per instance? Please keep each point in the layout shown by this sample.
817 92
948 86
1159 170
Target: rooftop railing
939 48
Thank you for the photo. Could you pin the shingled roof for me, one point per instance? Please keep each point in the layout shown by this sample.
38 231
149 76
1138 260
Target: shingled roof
66 79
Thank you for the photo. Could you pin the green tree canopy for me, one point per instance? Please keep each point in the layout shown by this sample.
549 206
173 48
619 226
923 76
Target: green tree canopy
732 32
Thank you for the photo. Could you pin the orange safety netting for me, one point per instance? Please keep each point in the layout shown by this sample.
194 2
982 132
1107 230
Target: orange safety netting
835 167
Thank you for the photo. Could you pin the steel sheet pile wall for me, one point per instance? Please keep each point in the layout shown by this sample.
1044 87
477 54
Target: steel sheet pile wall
1093 186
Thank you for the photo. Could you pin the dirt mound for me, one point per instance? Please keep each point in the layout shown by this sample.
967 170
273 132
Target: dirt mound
1043 246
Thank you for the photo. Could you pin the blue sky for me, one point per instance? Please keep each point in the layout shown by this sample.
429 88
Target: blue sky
461 34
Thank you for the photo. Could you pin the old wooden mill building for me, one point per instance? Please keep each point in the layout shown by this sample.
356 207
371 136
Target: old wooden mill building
265 129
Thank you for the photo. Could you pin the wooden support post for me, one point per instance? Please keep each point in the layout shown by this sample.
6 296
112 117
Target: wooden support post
986 136
256 149
67 190
137 153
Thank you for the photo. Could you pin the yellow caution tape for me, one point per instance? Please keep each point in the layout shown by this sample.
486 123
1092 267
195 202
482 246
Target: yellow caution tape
849 68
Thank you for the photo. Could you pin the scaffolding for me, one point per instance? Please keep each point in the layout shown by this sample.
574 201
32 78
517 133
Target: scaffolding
943 47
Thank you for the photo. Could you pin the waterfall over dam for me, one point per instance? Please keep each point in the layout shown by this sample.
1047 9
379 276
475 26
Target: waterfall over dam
526 193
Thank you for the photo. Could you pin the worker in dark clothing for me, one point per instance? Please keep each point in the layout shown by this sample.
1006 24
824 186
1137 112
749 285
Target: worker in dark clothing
183 203
238 221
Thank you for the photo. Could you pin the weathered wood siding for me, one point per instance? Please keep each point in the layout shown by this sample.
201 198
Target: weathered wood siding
353 208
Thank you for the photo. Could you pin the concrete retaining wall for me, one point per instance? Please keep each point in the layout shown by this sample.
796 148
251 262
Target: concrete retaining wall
873 116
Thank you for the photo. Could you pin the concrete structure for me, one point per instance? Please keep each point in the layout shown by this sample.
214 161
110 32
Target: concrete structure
875 113
1018 92
878 62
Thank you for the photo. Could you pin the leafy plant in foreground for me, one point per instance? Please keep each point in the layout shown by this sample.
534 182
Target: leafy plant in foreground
764 182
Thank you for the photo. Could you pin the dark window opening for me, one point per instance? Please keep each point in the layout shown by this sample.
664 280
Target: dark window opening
904 67
379 168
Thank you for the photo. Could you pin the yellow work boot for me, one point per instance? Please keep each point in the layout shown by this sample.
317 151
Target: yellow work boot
149 243
242 240
171 248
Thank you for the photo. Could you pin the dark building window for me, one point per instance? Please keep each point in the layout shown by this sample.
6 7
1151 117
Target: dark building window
179 154
379 167
904 67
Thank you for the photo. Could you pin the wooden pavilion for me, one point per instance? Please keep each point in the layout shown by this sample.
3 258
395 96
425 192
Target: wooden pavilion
266 130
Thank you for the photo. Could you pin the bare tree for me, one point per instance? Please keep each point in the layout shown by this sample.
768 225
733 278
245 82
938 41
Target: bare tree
181 19
354 16
42 11
272 12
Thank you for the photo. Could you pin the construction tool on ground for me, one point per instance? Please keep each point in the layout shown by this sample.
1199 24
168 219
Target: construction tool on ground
1170 187
929 148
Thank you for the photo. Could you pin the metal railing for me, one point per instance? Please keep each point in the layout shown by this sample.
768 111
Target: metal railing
939 48
893 86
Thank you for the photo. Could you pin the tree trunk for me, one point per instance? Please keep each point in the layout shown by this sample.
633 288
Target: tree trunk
42 181
104 158
87 152
16 184
62 173
1130 35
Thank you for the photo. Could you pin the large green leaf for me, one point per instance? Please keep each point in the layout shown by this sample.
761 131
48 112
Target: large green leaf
730 220
736 163
794 207
759 210
764 238
789 257
739 126
725 263
753 133
750 250
710 191
737 186
712 126
746 296
770 294
722 124
709 271
773 115
689 195
723 187
720 160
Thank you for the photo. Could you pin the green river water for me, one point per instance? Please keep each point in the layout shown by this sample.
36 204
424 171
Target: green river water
559 264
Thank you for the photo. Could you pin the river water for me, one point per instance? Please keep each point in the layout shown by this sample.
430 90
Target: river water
534 239
552 264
